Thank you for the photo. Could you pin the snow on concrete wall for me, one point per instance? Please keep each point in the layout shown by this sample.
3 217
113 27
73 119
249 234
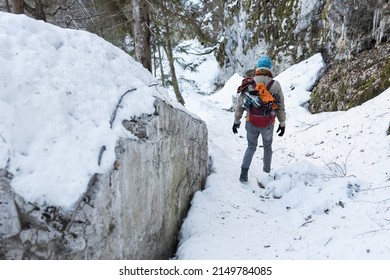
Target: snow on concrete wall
134 212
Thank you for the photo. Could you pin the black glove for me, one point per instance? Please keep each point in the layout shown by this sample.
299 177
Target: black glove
281 129
235 127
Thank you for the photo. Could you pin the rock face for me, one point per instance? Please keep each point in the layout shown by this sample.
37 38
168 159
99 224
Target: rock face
291 31
351 35
9 218
355 26
134 212
349 83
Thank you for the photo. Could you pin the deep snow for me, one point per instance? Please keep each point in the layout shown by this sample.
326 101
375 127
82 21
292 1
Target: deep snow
326 198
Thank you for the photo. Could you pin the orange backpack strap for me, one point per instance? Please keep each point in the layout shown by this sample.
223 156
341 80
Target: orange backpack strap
274 106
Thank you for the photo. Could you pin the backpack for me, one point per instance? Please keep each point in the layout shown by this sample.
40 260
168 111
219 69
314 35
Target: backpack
261 105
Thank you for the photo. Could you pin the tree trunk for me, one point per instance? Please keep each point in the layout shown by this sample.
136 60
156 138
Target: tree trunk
142 33
161 67
18 6
37 12
7 7
168 50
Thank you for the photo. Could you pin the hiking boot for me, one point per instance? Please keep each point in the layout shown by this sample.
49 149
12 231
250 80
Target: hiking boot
244 174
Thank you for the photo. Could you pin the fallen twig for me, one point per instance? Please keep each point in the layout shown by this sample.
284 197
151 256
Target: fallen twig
304 224
372 231
102 149
258 211
328 241
113 116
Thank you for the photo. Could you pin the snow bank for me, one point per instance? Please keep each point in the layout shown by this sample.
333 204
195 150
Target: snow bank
58 92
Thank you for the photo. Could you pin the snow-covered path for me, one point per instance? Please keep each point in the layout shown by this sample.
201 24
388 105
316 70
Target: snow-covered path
325 170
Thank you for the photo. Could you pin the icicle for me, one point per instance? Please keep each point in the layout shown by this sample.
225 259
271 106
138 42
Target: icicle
377 32
377 19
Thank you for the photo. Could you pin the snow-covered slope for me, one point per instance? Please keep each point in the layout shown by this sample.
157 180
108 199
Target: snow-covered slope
327 195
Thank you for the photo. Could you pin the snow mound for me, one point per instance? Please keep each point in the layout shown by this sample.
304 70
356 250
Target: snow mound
314 189
60 91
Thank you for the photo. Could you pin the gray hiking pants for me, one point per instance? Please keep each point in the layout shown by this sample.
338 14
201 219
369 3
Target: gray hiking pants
252 135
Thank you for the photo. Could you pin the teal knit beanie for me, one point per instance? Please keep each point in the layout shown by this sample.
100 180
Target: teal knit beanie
264 61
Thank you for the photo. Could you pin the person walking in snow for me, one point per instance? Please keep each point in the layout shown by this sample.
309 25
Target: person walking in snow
246 101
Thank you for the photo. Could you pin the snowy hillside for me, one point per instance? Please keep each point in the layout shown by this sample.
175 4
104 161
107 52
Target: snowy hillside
328 193
59 96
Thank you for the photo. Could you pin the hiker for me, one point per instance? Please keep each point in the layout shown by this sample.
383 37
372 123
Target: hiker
263 75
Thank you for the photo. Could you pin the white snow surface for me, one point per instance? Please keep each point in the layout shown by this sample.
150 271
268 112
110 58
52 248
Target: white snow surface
59 90
327 196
